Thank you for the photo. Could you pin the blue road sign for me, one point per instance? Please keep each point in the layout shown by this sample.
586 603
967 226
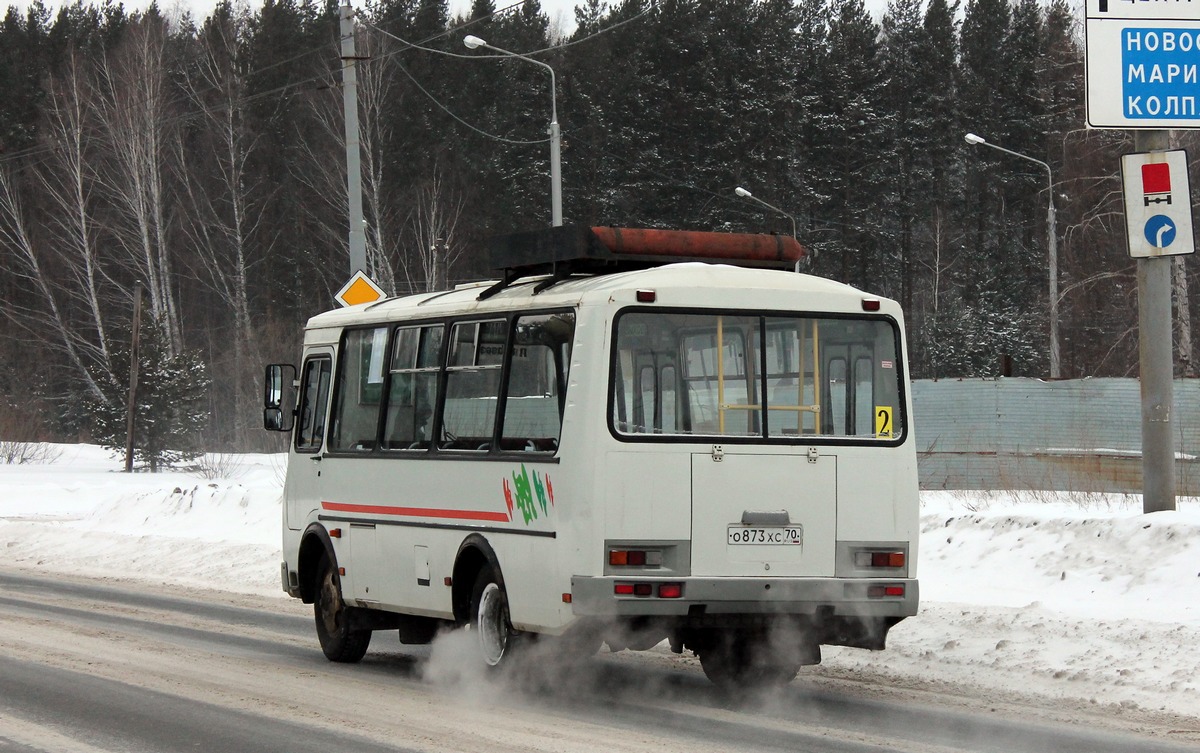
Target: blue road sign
1160 231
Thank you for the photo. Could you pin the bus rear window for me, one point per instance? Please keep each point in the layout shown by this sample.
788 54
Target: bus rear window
756 376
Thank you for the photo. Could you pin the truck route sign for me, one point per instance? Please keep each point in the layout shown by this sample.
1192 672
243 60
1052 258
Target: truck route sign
1158 206
1142 63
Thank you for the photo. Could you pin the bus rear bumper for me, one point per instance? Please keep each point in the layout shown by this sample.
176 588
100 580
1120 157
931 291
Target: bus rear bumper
852 597
830 611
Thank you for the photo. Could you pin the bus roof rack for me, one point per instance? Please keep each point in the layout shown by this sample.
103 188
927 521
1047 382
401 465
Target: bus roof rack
578 249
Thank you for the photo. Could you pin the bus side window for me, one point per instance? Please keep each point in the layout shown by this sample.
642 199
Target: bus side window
472 384
359 389
412 390
537 378
314 399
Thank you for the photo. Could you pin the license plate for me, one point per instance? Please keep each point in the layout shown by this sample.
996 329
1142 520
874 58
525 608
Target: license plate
766 535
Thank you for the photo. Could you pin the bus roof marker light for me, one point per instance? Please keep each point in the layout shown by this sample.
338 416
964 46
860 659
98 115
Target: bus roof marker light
870 304
646 296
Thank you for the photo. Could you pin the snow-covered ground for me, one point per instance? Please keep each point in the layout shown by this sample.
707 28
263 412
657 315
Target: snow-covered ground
1072 600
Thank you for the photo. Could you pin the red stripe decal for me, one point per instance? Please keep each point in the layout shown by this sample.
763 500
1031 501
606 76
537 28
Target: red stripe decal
417 512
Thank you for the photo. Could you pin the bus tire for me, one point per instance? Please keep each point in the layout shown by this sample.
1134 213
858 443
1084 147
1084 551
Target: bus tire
338 642
494 632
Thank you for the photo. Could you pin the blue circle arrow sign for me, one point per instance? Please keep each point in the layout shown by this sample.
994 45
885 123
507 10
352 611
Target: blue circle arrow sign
1160 231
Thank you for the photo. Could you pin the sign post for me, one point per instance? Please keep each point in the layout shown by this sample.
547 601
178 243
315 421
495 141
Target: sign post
1143 73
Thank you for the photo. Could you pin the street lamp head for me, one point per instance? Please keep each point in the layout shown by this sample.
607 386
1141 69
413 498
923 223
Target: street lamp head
974 140
473 42
743 193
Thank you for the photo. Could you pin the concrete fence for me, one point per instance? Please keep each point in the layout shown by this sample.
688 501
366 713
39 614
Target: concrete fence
1072 435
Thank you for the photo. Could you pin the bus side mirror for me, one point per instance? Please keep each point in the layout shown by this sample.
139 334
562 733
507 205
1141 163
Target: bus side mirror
279 397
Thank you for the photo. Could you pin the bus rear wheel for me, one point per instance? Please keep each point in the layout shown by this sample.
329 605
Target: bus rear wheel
490 619
339 642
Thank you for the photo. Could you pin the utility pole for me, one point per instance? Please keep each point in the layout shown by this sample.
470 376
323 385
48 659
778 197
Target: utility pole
358 238
1154 351
441 265
131 402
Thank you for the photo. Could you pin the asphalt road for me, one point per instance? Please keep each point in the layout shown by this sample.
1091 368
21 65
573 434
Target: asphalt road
86 667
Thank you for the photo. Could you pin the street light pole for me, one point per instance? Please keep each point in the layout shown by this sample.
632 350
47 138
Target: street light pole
743 193
1051 247
473 42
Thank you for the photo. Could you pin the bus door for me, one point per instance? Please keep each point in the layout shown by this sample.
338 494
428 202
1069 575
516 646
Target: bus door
303 492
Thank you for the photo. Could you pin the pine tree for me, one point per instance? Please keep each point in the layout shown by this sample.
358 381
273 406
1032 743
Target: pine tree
606 115
852 172
22 65
170 414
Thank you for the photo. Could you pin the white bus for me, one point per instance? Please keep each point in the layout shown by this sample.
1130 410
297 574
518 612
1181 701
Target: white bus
603 448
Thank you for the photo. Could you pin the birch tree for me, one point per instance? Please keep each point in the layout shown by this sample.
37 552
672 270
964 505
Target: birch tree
136 123
68 182
46 320
221 220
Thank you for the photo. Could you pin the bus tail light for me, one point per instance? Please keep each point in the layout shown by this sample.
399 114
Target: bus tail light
879 592
641 589
670 590
635 557
879 559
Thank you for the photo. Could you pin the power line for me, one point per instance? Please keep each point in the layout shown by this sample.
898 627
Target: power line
434 50
41 150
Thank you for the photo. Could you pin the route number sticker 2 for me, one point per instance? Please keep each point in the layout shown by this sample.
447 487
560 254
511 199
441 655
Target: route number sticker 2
883 421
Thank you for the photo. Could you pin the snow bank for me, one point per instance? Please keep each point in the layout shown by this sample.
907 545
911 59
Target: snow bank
1084 600
82 515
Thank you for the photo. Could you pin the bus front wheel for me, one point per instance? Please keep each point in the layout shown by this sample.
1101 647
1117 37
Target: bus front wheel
339 642
490 620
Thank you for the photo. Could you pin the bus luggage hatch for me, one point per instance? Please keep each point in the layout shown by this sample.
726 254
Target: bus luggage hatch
768 515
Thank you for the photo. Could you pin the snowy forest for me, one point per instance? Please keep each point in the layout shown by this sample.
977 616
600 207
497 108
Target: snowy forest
203 162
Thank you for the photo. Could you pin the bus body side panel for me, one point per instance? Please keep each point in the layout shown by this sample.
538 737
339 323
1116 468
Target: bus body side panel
582 494
882 505
647 495
403 520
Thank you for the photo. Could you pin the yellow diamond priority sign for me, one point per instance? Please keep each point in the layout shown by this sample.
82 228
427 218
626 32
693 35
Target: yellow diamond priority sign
360 289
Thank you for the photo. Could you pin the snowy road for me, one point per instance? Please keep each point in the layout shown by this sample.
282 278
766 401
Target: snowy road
88 667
